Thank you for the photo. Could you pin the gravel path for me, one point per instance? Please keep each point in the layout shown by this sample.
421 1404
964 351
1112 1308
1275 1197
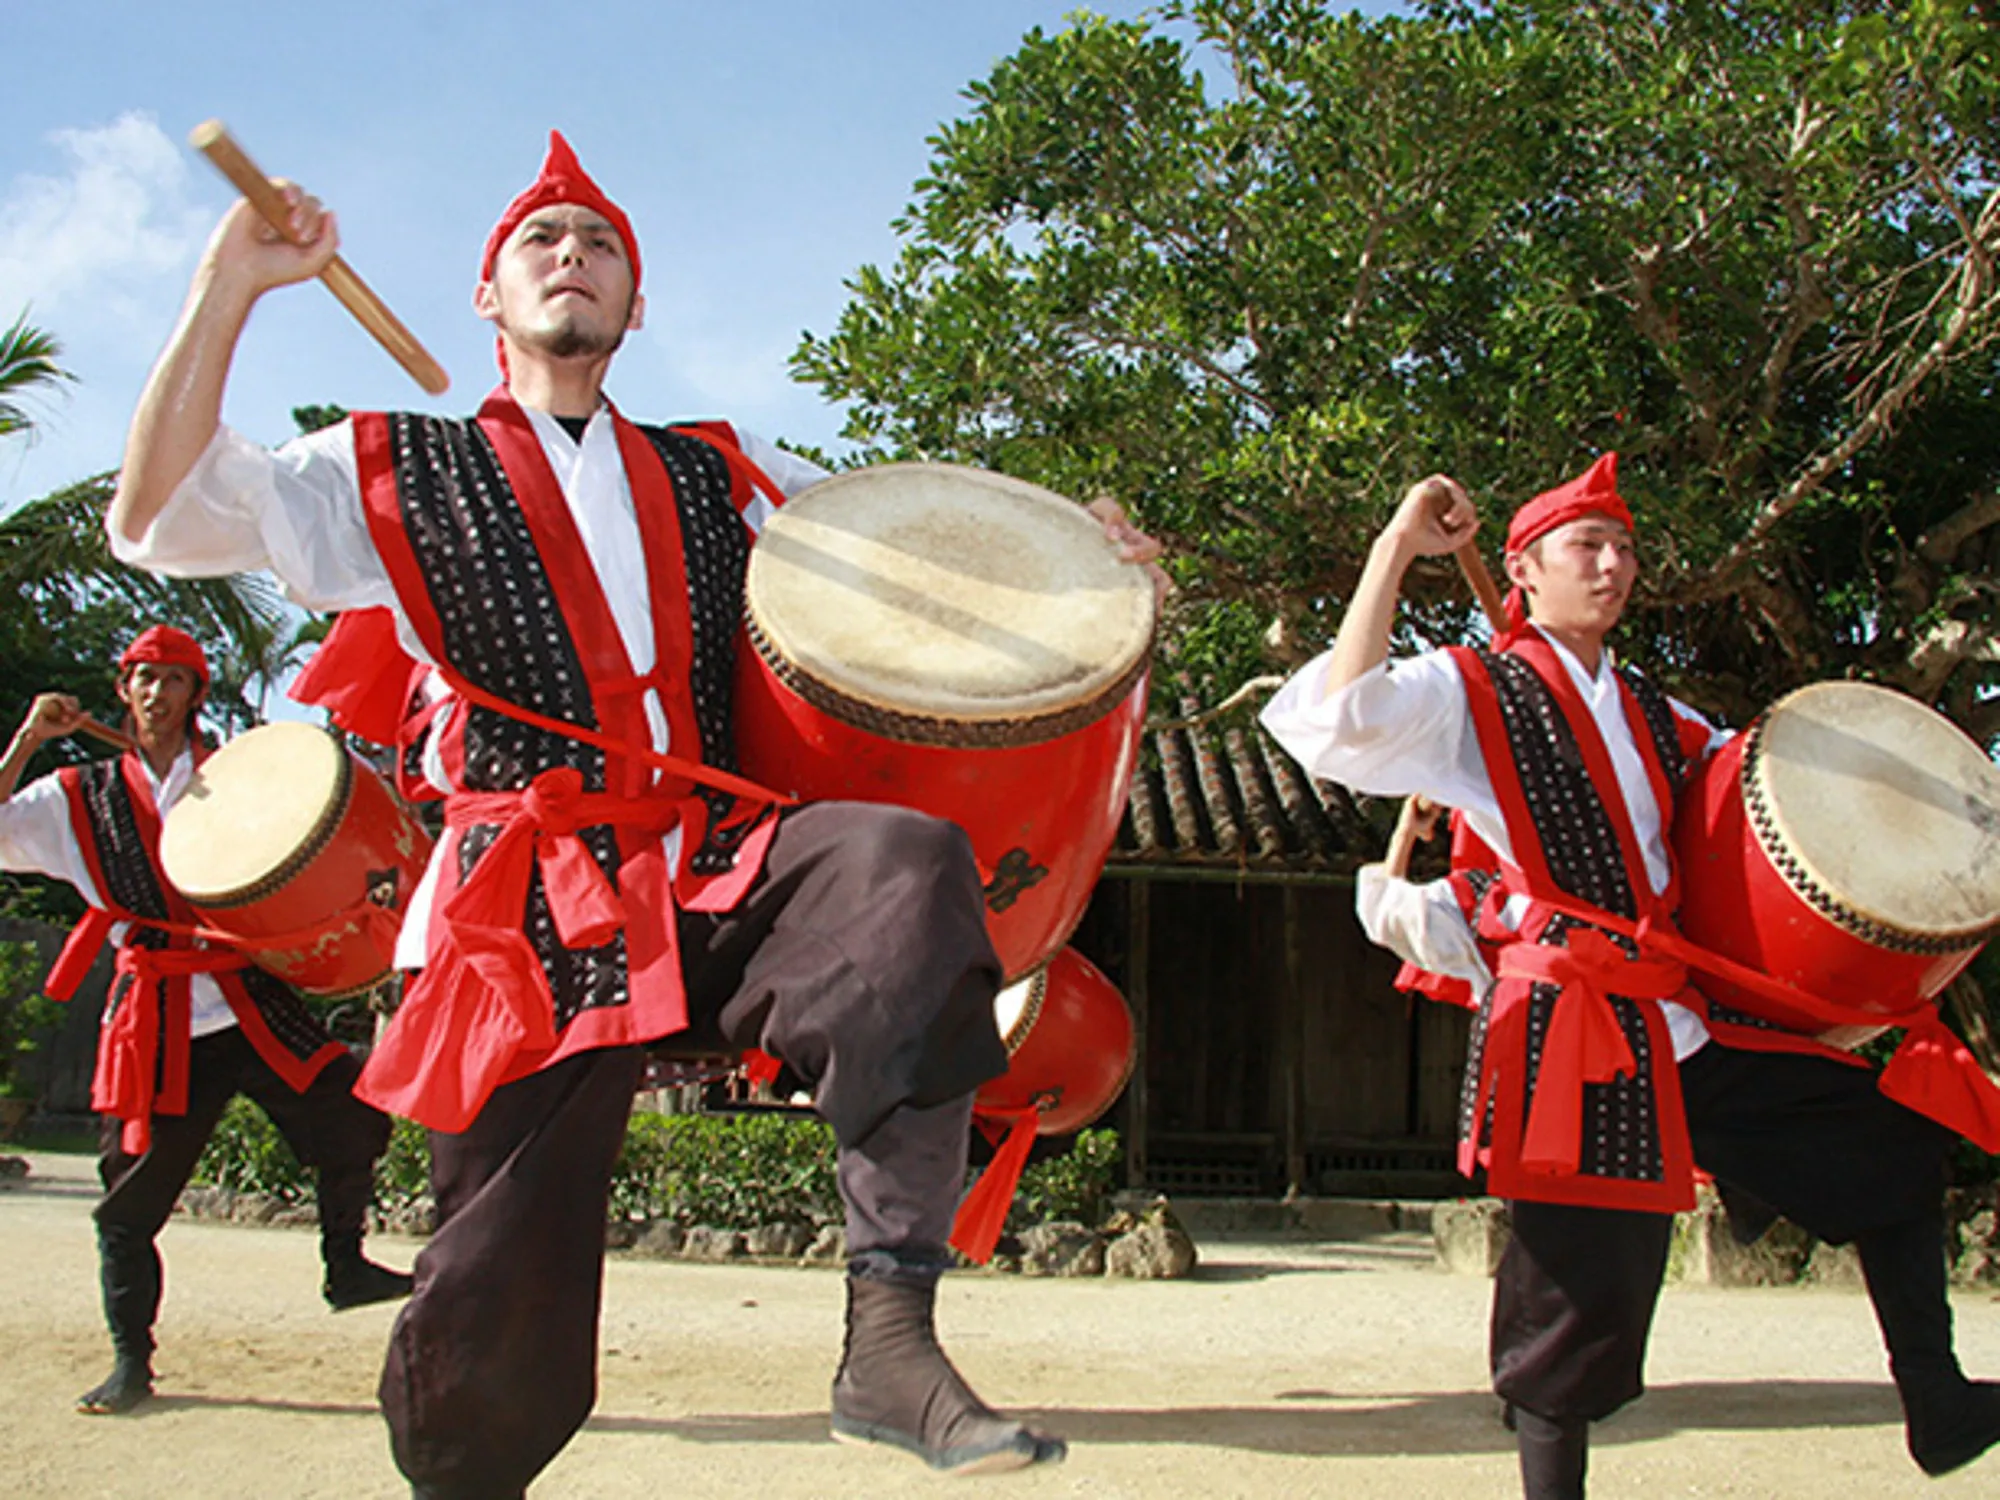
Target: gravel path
1348 1370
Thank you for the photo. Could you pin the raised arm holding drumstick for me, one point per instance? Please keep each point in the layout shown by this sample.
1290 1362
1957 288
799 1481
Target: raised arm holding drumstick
577 581
1555 755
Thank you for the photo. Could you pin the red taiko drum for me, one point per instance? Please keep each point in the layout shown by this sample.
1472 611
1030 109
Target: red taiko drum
1847 844
1069 1045
284 835
964 644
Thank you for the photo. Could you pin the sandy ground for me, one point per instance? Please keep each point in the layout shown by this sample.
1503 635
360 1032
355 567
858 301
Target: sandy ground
1350 1370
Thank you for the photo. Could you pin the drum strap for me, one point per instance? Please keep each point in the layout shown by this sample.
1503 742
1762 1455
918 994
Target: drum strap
1932 1071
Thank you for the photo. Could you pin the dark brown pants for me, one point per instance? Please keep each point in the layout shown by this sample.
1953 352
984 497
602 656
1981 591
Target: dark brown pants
1812 1138
327 1128
859 958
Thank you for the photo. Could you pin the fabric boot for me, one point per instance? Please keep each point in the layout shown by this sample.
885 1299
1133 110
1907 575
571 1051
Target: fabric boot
1554 1454
896 1386
1948 1420
352 1280
128 1265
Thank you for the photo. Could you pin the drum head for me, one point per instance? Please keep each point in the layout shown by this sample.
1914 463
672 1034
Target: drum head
1870 801
1016 1007
934 594
255 811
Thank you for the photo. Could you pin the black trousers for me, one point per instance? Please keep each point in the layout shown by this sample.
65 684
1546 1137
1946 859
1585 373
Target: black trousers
327 1128
1810 1137
860 959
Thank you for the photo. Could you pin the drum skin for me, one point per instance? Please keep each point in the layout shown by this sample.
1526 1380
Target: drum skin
1735 902
367 849
1070 1056
1041 817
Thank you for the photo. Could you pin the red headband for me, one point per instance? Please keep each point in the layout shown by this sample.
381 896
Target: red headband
169 648
562 180
1592 493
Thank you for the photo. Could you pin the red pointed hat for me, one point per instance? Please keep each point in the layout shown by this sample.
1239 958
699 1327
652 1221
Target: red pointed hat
1592 493
562 180
166 646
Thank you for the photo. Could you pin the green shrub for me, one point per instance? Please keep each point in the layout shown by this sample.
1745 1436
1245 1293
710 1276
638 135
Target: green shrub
28 1020
247 1155
728 1171
1076 1185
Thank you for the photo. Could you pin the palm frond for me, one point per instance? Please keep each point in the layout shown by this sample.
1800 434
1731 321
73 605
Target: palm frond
27 361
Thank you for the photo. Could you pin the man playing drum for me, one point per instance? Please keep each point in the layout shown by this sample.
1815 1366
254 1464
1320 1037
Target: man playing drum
1567 765
603 883
186 1027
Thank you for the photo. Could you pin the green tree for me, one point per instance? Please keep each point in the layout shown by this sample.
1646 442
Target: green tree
27 363
1252 266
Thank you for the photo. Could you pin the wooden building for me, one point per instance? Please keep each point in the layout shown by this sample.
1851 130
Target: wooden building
1275 1054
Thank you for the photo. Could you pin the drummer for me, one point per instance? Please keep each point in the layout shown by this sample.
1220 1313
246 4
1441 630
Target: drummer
185 1029
578 580
1561 761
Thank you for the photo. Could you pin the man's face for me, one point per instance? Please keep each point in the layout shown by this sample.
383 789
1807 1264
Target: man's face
1578 576
562 285
160 698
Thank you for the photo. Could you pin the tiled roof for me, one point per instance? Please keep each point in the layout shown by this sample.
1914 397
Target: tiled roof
1230 799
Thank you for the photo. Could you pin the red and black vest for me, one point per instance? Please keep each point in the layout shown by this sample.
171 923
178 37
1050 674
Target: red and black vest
142 1062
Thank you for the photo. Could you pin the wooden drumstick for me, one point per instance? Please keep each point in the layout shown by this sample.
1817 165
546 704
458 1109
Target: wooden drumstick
105 732
1491 600
213 140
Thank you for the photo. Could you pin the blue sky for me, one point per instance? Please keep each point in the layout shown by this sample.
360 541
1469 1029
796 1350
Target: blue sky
762 148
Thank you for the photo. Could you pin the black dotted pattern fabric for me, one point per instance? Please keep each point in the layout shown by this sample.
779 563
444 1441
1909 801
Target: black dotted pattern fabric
717 551
503 630
1621 1135
134 886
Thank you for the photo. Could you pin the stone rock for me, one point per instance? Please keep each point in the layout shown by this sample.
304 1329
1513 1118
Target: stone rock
255 1208
13 1169
1157 1250
620 1234
828 1247
207 1202
661 1239
295 1216
1061 1248
417 1218
704 1242
778 1241
1834 1266
1470 1235
1707 1252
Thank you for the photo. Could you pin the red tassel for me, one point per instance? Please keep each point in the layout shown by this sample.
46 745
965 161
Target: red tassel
1933 1074
983 1214
85 941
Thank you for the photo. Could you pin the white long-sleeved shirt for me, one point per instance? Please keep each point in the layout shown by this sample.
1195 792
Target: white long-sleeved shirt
37 837
1406 728
297 512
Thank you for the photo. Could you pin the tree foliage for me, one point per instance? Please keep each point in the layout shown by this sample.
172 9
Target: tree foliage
1252 266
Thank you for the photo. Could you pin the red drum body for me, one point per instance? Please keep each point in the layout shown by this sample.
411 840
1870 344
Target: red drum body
283 835
1069 1045
963 644
1847 844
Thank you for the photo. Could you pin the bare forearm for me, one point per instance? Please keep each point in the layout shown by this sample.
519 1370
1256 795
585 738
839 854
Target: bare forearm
20 750
1363 642
182 403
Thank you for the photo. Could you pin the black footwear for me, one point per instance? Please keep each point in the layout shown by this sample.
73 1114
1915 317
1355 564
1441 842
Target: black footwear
1950 1429
129 1383
358 1282
896 1386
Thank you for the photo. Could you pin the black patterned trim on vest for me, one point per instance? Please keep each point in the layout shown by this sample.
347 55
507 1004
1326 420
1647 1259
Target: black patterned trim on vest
1659 717
716 547
1622 1138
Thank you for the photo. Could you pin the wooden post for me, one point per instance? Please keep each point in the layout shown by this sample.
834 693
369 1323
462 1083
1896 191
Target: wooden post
1291 1032
1138 962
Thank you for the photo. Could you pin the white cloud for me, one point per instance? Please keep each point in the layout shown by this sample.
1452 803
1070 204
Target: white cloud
109 237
